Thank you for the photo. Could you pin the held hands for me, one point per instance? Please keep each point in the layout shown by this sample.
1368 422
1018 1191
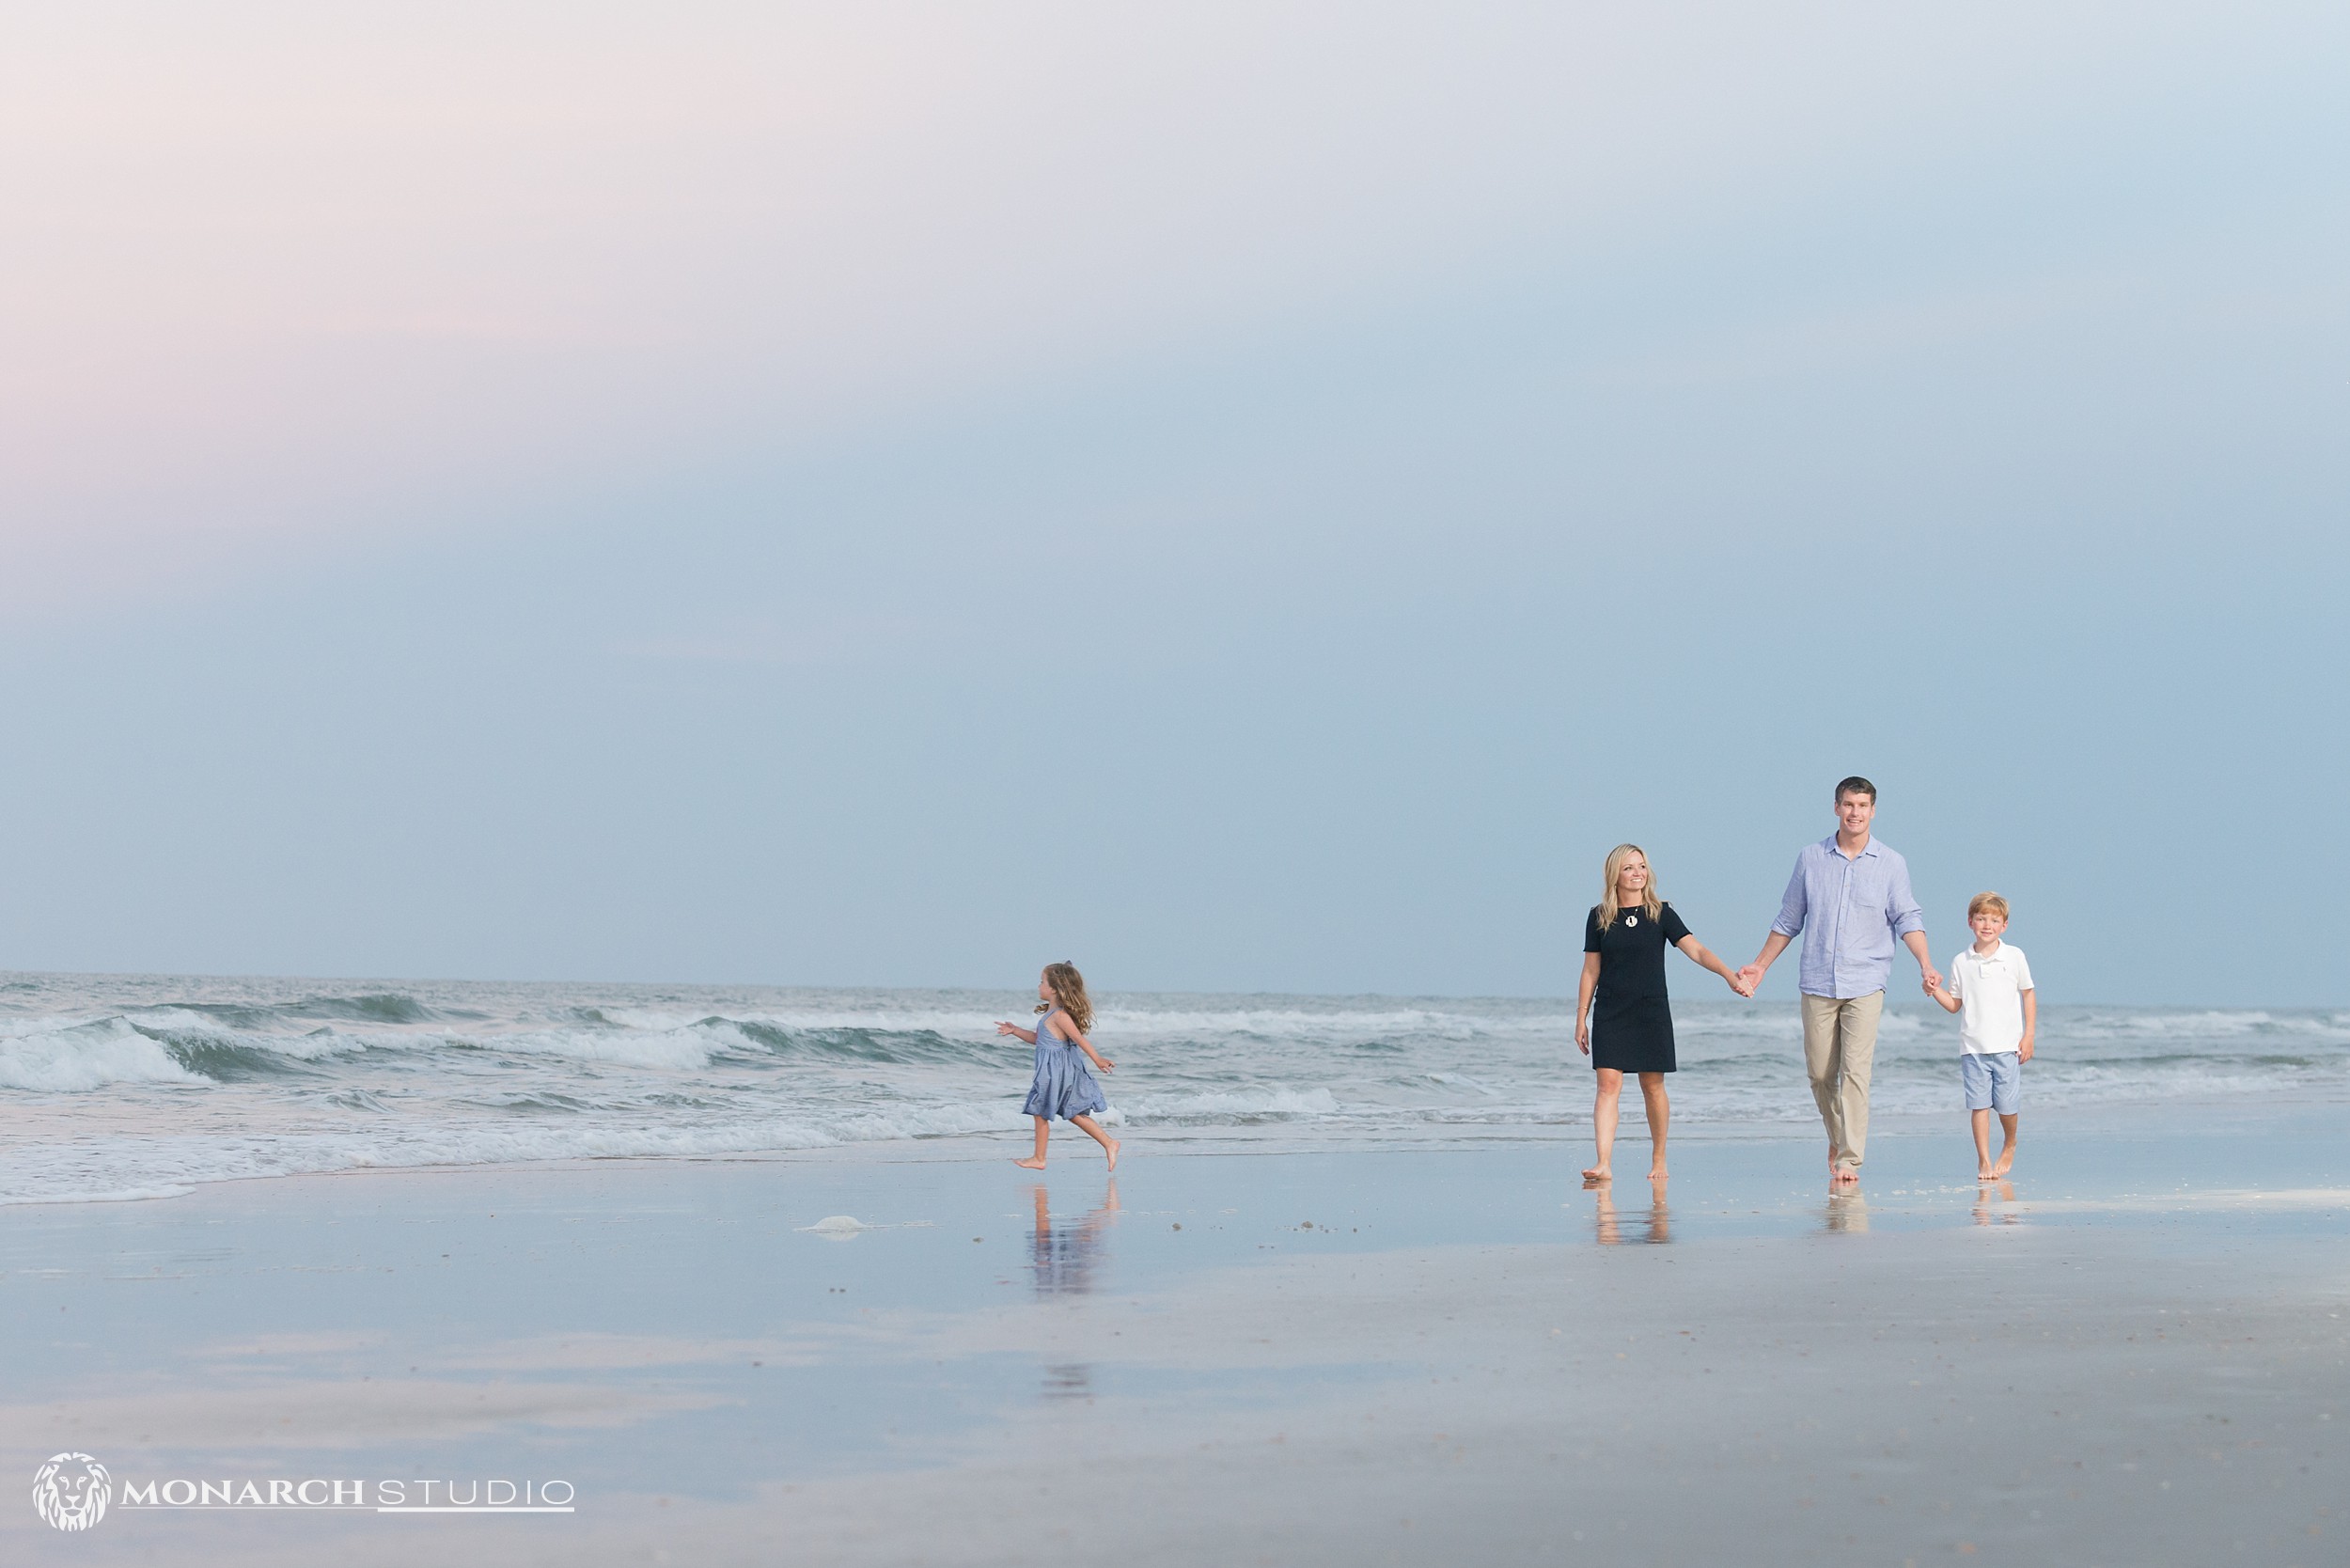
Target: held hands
1752 976
1740 983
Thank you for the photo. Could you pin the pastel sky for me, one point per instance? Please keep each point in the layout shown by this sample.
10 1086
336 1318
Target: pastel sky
1244 497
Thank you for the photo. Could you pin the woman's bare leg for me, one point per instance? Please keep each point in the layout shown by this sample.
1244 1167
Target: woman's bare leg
1036 1161
1087 1125
1660 1115
1604 1123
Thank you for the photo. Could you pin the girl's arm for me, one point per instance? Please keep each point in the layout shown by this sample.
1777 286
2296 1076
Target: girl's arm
2031 1026
1583 1003
1027 1036
1706 960
1076 1037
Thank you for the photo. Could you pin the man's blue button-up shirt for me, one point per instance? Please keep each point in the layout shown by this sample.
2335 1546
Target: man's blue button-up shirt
1849 915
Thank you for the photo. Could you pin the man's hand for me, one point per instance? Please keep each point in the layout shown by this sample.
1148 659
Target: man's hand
1752 975
1740 984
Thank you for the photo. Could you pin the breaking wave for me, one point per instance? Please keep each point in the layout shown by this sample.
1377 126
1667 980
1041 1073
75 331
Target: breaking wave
138 1086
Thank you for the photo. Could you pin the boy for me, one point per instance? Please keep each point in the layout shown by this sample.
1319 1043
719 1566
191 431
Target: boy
1990 985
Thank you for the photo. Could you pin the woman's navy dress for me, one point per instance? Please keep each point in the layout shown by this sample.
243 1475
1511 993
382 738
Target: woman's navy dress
1632 1024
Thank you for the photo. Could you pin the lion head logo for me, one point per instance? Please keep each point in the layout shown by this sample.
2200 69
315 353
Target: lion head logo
72 1491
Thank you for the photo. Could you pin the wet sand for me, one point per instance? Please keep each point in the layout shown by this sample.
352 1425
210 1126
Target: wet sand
2138 1352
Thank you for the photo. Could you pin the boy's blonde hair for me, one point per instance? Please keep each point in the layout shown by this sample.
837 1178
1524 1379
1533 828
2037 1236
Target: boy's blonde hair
1650 901
1069 993
1991 902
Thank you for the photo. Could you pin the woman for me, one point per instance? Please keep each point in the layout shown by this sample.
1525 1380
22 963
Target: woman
1621 999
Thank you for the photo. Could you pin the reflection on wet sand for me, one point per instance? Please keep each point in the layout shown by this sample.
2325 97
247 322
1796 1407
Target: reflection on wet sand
1065 1256
1847 1211
1069 1380
1652 1224
1987 1212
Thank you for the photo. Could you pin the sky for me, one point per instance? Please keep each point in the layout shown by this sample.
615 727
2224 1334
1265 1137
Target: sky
1242 497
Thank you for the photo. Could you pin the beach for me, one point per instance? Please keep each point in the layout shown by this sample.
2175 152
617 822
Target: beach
2136 1352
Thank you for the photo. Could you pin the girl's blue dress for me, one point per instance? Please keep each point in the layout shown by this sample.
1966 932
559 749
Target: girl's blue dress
1064 1085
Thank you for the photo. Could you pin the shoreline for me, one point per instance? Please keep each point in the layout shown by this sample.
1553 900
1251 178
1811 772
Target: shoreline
2247 1118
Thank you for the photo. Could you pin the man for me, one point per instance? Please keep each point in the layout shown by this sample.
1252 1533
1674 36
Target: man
1850 901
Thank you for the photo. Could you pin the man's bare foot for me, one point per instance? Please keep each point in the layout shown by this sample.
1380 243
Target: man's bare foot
1031 1163
1598 1174
1111 1149
1846 1176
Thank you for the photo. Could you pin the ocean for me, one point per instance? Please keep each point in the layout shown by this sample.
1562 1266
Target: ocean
122 1086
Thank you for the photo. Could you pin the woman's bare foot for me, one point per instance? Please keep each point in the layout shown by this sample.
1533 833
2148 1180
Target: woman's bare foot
1032 1163
1656 1171
1598 1174
1111 1150
1984 1173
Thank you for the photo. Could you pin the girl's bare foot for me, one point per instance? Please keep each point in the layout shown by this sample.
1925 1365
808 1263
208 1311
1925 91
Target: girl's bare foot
1111 1150
1031 1163
1598 1174
1984 1173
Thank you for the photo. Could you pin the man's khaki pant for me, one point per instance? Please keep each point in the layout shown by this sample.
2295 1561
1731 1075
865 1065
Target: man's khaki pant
1840 1047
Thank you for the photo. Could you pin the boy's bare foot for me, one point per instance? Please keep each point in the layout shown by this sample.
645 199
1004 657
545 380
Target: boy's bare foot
1598 1174
1111 1149
1031 1163
2007 1162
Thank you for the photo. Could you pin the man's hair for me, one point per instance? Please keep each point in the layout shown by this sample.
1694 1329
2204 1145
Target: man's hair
1991 902
1857 785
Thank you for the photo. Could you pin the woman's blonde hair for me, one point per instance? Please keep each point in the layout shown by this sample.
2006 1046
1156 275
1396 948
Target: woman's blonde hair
1068 994
1650 904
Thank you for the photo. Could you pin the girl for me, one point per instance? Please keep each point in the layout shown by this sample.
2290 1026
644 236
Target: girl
1624 972
1062 1085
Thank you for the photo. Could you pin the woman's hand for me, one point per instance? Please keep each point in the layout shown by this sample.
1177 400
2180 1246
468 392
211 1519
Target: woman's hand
1583 1034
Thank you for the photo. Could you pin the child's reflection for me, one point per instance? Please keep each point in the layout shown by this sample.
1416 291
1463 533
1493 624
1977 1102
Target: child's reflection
1065 1255
1988 1213
1654 1225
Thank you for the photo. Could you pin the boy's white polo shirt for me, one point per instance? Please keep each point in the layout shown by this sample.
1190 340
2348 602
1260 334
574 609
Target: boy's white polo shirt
1990 988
